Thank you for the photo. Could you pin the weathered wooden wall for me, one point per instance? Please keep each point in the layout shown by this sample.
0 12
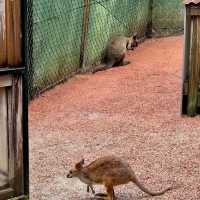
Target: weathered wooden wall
11 136
11 99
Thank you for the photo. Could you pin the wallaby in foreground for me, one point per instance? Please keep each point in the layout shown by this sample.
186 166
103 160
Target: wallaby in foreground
109 171
115 52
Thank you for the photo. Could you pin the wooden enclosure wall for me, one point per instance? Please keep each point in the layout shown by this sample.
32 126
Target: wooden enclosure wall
11 136
10 33
11 99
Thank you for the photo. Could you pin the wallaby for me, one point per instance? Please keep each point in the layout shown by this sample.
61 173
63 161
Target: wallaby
115 51
109 171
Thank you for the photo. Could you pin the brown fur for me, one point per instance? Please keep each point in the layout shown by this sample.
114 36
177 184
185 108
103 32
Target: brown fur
115 51
109 171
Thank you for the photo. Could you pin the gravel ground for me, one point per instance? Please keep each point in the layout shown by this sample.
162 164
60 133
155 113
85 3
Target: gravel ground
132 112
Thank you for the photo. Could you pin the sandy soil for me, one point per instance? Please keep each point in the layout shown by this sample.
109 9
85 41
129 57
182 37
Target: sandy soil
132 112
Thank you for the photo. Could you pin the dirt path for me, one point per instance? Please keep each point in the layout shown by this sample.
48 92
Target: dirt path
132 112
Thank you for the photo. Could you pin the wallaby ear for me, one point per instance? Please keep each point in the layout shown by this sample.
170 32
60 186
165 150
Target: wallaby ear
79 165
135 36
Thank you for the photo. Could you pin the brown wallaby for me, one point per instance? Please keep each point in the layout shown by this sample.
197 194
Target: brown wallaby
109 171
115 51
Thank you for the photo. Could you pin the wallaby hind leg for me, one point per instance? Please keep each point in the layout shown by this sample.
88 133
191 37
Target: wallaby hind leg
108 196
104 195
122 62
126 62
110 193
102 67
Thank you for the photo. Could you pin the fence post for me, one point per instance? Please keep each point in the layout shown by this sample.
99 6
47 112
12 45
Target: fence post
27 59
194 68
27 26
86 13
150 22
185 72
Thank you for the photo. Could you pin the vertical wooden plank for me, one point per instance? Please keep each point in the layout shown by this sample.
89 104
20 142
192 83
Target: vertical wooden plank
3 139
3 49
11 143
10 32
17 32
186 56
194 68
187 34
19 135
86 14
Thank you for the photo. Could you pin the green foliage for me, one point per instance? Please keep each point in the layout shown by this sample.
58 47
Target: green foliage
168 16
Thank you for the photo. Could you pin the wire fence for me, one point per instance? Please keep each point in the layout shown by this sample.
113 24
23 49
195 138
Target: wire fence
69 36
56 34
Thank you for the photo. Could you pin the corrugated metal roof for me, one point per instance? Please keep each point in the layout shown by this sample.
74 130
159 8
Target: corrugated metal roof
191 2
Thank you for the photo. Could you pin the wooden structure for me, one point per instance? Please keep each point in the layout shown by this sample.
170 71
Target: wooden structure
13 103
191 74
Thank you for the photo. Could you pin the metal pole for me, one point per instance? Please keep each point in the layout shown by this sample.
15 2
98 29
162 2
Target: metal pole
26 51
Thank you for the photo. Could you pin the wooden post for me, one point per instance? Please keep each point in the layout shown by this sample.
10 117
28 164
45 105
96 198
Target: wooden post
187 36
194 67
150 21
86 13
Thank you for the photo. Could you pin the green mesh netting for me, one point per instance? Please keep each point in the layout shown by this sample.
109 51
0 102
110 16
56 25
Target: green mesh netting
167 16
57 26
57 29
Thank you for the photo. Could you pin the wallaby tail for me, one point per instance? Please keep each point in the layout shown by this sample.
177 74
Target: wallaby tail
100 67
144 189
103 66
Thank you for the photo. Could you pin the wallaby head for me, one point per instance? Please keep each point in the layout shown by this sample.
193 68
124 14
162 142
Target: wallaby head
132 42
77 170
